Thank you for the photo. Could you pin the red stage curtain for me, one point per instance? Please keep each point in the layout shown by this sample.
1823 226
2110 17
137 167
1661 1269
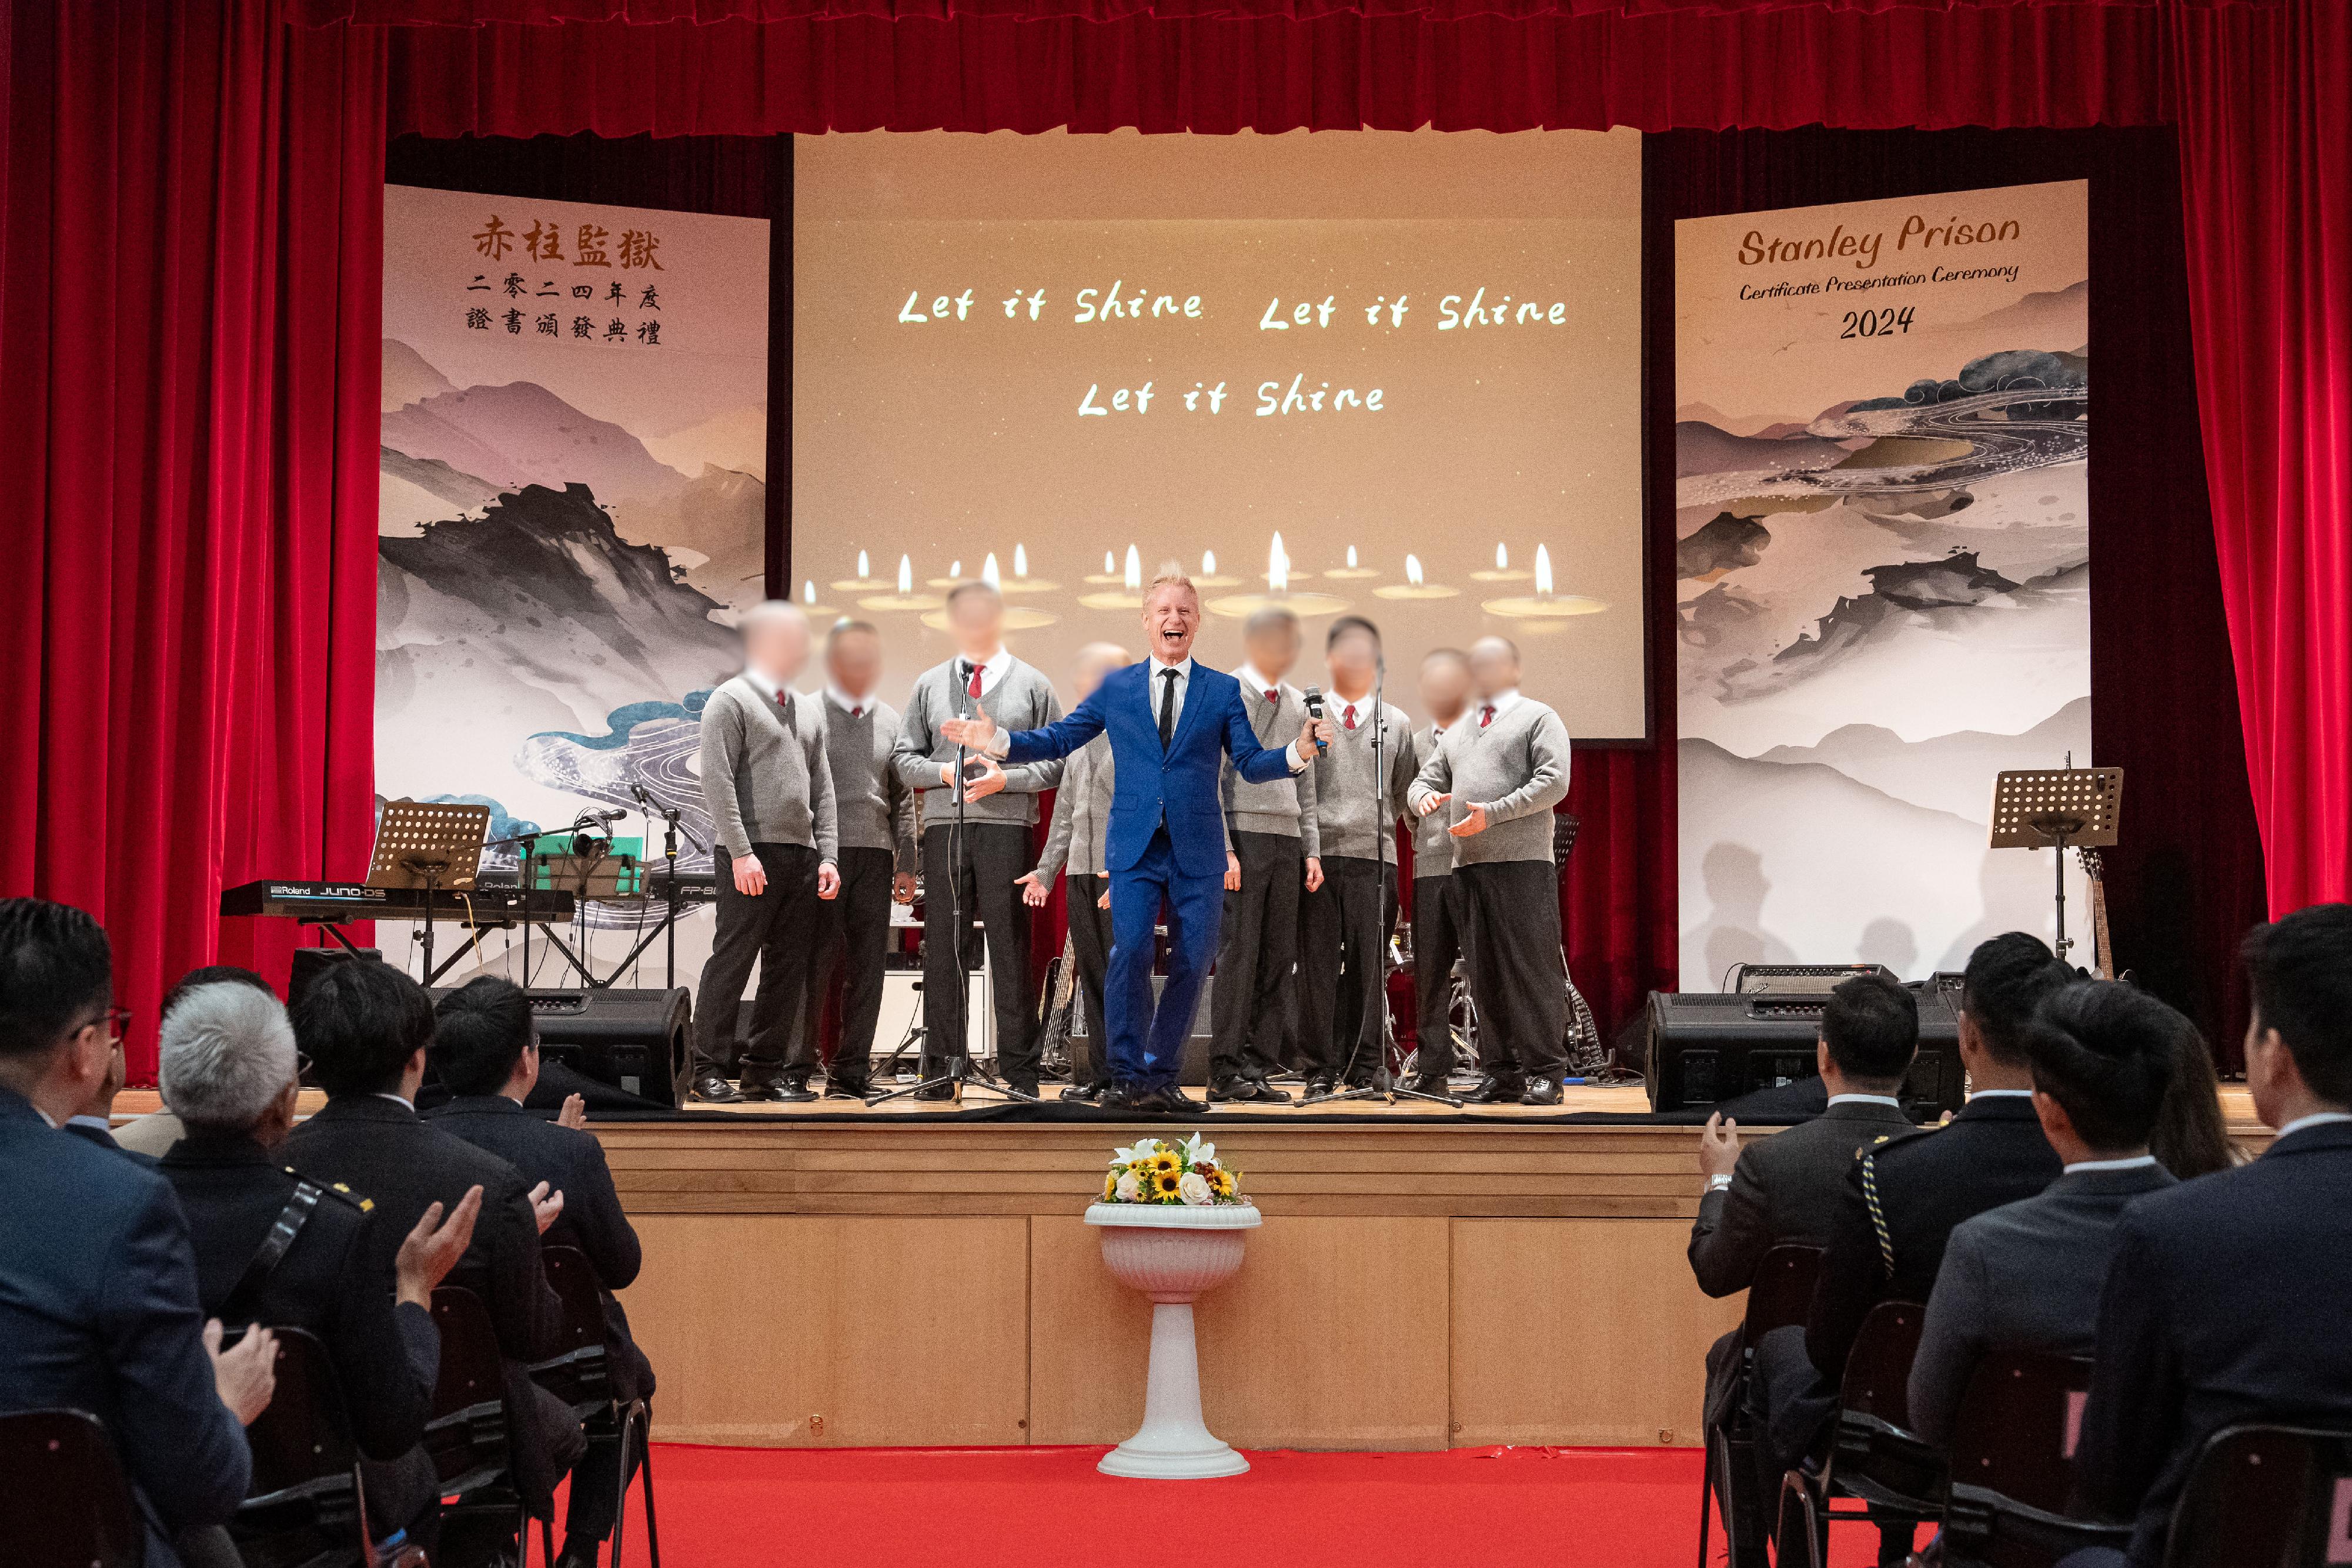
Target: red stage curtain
2266 152
188 380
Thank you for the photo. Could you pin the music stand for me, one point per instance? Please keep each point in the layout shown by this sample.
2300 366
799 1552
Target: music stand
2057 809
605 875
431 844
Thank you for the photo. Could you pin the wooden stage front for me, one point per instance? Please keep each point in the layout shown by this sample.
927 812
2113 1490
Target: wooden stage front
1423 1280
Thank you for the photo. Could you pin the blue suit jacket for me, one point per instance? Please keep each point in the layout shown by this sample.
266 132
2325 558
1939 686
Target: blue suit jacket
1178 786
98 1313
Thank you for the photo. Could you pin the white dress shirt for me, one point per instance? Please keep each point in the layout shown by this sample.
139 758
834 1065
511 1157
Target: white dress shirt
1865 1100
2131 1162
854 706
2317 1119
991 670
1501 702
1152 687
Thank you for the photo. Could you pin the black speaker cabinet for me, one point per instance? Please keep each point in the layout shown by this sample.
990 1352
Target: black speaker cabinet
635 1041
1193 1062
1707 1047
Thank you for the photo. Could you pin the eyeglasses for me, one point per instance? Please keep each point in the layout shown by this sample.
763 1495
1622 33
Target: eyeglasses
117 1024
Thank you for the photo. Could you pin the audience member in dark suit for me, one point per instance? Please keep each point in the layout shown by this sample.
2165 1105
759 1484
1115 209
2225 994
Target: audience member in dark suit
1783 1189
228 1066
486 1049
2225 1300
2027 1275
1991 1154
365 1027
98 1285
156 1132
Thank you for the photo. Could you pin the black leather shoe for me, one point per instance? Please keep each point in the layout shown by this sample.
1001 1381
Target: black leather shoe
795 1090
1317 1084
714 1090
1541 1091
760 1089
1494 1091
1082 1094
943 1090
1115 1097
839 1089
1247 1091
1024 1089
1437 1086
1167 1100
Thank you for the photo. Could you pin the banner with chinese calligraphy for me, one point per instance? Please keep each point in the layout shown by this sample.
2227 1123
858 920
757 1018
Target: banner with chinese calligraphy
1883 569
572 499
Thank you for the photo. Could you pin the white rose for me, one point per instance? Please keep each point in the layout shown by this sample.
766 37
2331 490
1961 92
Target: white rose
1193 1188
1127 1187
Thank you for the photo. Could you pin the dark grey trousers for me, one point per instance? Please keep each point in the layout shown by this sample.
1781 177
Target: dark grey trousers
775 928
1436 943
853 938
994 853
1090 945
1508 915
1250 1010
1342 927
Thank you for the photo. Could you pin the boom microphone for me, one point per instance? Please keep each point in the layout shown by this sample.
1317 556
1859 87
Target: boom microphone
1315 710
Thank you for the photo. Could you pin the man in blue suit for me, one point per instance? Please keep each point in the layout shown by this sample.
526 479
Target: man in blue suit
97 1281
1171 723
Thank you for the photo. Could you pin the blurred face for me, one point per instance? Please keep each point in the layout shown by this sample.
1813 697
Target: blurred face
1494 666
1274 651
1171 617
854 660
976 620
1095 661
1444 689
777 647
1353 659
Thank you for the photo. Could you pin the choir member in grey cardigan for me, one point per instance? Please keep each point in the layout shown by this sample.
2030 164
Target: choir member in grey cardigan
1437 929
1343 924
1504 768
994 850
876 812
769 787
1273 852
1081 823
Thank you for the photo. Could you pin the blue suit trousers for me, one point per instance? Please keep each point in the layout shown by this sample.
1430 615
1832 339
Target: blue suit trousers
1145 1045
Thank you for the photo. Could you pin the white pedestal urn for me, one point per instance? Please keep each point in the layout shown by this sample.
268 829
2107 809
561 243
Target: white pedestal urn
1172 1252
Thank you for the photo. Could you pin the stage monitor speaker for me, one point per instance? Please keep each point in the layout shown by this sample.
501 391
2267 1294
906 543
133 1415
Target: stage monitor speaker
1191 1062
636 1041
1706 1048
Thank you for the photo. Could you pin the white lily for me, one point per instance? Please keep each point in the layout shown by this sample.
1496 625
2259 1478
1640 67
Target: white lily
1198 1153
1142 1150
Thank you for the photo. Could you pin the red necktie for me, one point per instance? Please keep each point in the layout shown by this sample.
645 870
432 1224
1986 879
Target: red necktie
1272 695
1351 715
1485 715
857 712
971 688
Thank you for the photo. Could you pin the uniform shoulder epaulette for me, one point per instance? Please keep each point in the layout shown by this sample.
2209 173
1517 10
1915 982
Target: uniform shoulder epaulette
343 1191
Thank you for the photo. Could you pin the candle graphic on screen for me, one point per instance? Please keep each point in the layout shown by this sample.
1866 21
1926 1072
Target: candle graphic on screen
1352 570
1109 574
1415 586
809 606
1544 604
1129 595
906 597
865 581
1279 576
1502 570
1021 581
1209 577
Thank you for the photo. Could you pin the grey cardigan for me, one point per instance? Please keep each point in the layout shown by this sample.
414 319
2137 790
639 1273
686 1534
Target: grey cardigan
1286 806
1081 814
1432 846
1023 699
764 783
1516 768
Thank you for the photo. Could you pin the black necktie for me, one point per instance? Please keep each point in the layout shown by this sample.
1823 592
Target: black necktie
1167 707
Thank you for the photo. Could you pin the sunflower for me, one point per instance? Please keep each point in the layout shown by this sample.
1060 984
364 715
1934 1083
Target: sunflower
1167 1164
1225 1184
1164 1184
1110 1186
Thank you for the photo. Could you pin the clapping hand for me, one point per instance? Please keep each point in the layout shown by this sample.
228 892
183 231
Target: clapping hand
246 1375
575 1113
1718 1147
434 1246
545 1206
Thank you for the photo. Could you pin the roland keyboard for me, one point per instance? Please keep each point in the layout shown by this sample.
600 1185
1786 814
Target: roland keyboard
331 903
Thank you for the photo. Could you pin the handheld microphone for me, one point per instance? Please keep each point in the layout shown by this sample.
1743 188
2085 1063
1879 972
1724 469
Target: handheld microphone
1315 710
637 792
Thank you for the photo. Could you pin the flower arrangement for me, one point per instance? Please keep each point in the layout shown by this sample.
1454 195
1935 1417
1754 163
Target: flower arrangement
1157 1171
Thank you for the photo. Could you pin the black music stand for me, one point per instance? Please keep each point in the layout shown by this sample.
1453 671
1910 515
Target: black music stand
2057 809
436 845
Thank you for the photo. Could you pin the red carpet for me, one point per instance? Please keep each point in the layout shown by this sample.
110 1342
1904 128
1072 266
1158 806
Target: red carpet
1032 1508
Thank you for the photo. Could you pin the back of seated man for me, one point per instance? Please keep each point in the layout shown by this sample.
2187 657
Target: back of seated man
157 1131
485 1051
2027 1275
365 1027
228 1067
1991 1153
1784 1188
97 1283
2225 1301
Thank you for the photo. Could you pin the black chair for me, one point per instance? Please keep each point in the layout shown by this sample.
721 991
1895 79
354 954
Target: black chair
466 1436
307 1504
580 1373
63 1501
2264 1497
1873 1459
1780 1296
2011 1464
